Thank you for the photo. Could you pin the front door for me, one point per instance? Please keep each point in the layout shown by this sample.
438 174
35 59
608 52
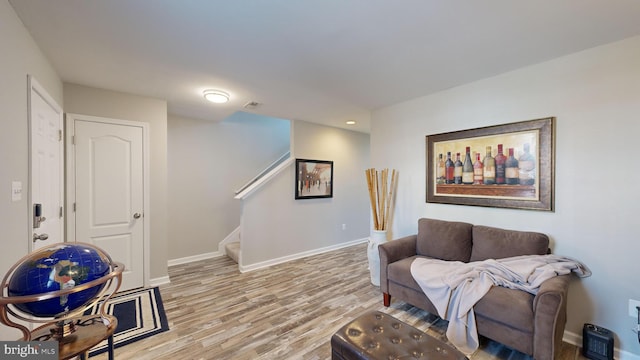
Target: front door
109 190
47 164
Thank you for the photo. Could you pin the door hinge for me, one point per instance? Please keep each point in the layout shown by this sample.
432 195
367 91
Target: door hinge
59 135
74 207
73 139
61 212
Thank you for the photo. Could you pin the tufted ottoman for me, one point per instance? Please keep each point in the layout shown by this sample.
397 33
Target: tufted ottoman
376 335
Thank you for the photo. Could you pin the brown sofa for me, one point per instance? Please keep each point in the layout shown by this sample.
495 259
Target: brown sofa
531 324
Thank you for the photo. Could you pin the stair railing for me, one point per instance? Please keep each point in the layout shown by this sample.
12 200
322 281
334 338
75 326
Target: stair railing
263 173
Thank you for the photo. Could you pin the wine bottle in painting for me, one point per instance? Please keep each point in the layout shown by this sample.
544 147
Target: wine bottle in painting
449 169
440 171
500 160
478 171
511 169
489 174
527 167
467 168
457 170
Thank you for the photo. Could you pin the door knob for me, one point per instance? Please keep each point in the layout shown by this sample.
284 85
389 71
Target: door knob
136 216
42 237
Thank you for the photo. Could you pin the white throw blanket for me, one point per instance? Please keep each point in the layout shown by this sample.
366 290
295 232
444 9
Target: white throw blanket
454 287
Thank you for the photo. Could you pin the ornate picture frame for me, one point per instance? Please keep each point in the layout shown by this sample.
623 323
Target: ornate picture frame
527 183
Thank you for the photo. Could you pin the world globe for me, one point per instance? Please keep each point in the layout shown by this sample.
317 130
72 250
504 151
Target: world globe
59 267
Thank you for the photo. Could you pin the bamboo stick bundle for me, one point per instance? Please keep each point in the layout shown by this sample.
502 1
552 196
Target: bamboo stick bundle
371 182
381 213
394 179
381 196
380 199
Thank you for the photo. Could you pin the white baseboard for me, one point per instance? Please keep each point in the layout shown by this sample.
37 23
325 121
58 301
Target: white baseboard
624 355
234 236
576 339
159 281
264 264
572 338
190 259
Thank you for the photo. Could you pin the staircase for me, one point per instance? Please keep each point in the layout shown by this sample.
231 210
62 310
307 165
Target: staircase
232 243
233 251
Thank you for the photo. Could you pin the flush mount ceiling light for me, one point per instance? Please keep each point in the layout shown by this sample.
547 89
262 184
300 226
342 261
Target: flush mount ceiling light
216 96
351 122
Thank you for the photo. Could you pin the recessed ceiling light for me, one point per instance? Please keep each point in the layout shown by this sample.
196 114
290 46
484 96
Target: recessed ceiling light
351 122
216 96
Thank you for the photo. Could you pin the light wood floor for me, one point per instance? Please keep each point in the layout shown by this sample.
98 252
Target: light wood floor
287 311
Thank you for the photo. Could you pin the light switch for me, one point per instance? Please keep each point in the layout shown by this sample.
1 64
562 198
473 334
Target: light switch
16 190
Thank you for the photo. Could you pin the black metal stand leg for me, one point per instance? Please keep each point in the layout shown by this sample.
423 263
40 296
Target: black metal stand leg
110 345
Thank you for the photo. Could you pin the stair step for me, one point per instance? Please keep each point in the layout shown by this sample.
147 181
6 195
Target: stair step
233 251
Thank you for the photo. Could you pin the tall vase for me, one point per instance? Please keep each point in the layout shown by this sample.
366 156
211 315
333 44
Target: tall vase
377 237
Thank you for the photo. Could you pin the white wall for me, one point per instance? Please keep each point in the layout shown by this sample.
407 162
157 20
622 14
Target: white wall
595 96
277 227
111 104
208 162
20 56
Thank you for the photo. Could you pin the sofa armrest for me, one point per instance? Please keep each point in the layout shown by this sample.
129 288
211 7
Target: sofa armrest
550 317
393 251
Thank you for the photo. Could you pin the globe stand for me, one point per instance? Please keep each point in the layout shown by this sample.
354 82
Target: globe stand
76 334
63 330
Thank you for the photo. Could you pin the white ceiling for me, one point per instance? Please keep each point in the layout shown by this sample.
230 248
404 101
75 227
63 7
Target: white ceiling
324 61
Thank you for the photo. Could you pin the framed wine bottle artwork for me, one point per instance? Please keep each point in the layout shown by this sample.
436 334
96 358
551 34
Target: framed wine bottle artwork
509 165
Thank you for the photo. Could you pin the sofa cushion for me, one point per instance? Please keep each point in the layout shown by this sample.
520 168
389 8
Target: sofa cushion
445 240
400 272
513 308
495 243
510 307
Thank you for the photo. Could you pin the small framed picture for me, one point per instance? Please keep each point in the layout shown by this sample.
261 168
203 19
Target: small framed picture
314 179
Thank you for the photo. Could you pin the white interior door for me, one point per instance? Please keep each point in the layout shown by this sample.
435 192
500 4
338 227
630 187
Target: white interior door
109 191
47 164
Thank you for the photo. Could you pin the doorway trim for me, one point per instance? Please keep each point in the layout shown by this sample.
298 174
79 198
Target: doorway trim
34 86
70 119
